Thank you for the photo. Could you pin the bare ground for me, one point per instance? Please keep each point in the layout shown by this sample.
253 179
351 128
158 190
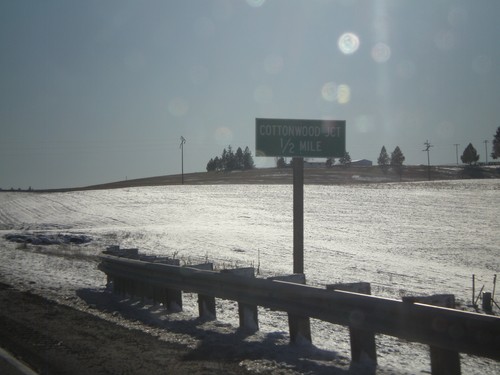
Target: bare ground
55 339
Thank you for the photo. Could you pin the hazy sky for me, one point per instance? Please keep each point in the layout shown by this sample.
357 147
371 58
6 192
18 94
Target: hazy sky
102 90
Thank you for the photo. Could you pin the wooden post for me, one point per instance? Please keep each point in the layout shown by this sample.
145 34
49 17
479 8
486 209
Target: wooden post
299 326
486 304
206 304
248 313
473 290
362 341
298 215
443 361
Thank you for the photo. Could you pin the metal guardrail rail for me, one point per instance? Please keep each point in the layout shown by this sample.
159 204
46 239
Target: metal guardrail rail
451 330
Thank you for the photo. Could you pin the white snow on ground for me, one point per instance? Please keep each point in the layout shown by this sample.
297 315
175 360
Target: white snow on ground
405 239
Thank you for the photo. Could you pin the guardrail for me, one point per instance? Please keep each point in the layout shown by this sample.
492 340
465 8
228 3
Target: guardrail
447 331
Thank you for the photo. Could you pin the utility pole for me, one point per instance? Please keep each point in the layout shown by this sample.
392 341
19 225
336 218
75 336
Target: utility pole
427 148
456 149
183 140
486 150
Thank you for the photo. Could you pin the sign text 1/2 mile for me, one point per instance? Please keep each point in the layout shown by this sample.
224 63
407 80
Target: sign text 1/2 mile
300 138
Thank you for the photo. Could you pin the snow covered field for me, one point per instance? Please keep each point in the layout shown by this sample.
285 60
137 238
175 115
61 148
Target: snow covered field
405 239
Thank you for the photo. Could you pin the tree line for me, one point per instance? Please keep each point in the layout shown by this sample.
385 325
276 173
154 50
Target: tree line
470 155
396 159
240 160
230 160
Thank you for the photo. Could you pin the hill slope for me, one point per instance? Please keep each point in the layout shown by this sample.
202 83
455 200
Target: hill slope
321 176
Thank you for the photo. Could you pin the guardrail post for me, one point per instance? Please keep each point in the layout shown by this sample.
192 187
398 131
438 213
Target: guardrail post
172 300
443 361
299 326
206 304
362 341
173 297
248 313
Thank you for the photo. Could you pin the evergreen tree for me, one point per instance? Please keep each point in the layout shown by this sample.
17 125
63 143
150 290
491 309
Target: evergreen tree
495 153
397 160
280 162
345 160
223 160
211 166
231 159
239 159
383 159
248 159
218 163
330 162
470 155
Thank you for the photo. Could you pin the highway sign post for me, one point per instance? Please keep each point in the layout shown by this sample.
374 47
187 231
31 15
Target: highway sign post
298 139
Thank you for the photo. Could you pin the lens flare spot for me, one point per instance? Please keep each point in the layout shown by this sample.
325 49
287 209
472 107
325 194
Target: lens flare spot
381 52
348 43
263 94
223 135
329 91
274 63
178 107
343 94
256 3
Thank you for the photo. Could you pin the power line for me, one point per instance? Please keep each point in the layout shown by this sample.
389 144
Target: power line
486 150
456 149
427 148
183 141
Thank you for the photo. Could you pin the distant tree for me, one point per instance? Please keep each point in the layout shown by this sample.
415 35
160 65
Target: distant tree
495 153
211 166
383 159
223 160
229 160
470 155
239 159
397 157
248 159
280 162
330 162
397 160
345 160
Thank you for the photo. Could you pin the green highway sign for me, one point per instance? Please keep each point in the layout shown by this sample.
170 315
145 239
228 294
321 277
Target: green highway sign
302 138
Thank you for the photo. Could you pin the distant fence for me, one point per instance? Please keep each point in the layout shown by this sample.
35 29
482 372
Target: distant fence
448 332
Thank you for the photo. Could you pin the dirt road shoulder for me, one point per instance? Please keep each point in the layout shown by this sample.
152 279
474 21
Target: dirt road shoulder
55 339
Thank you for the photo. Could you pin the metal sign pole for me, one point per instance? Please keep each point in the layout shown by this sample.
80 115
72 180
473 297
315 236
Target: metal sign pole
298 139
298 215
